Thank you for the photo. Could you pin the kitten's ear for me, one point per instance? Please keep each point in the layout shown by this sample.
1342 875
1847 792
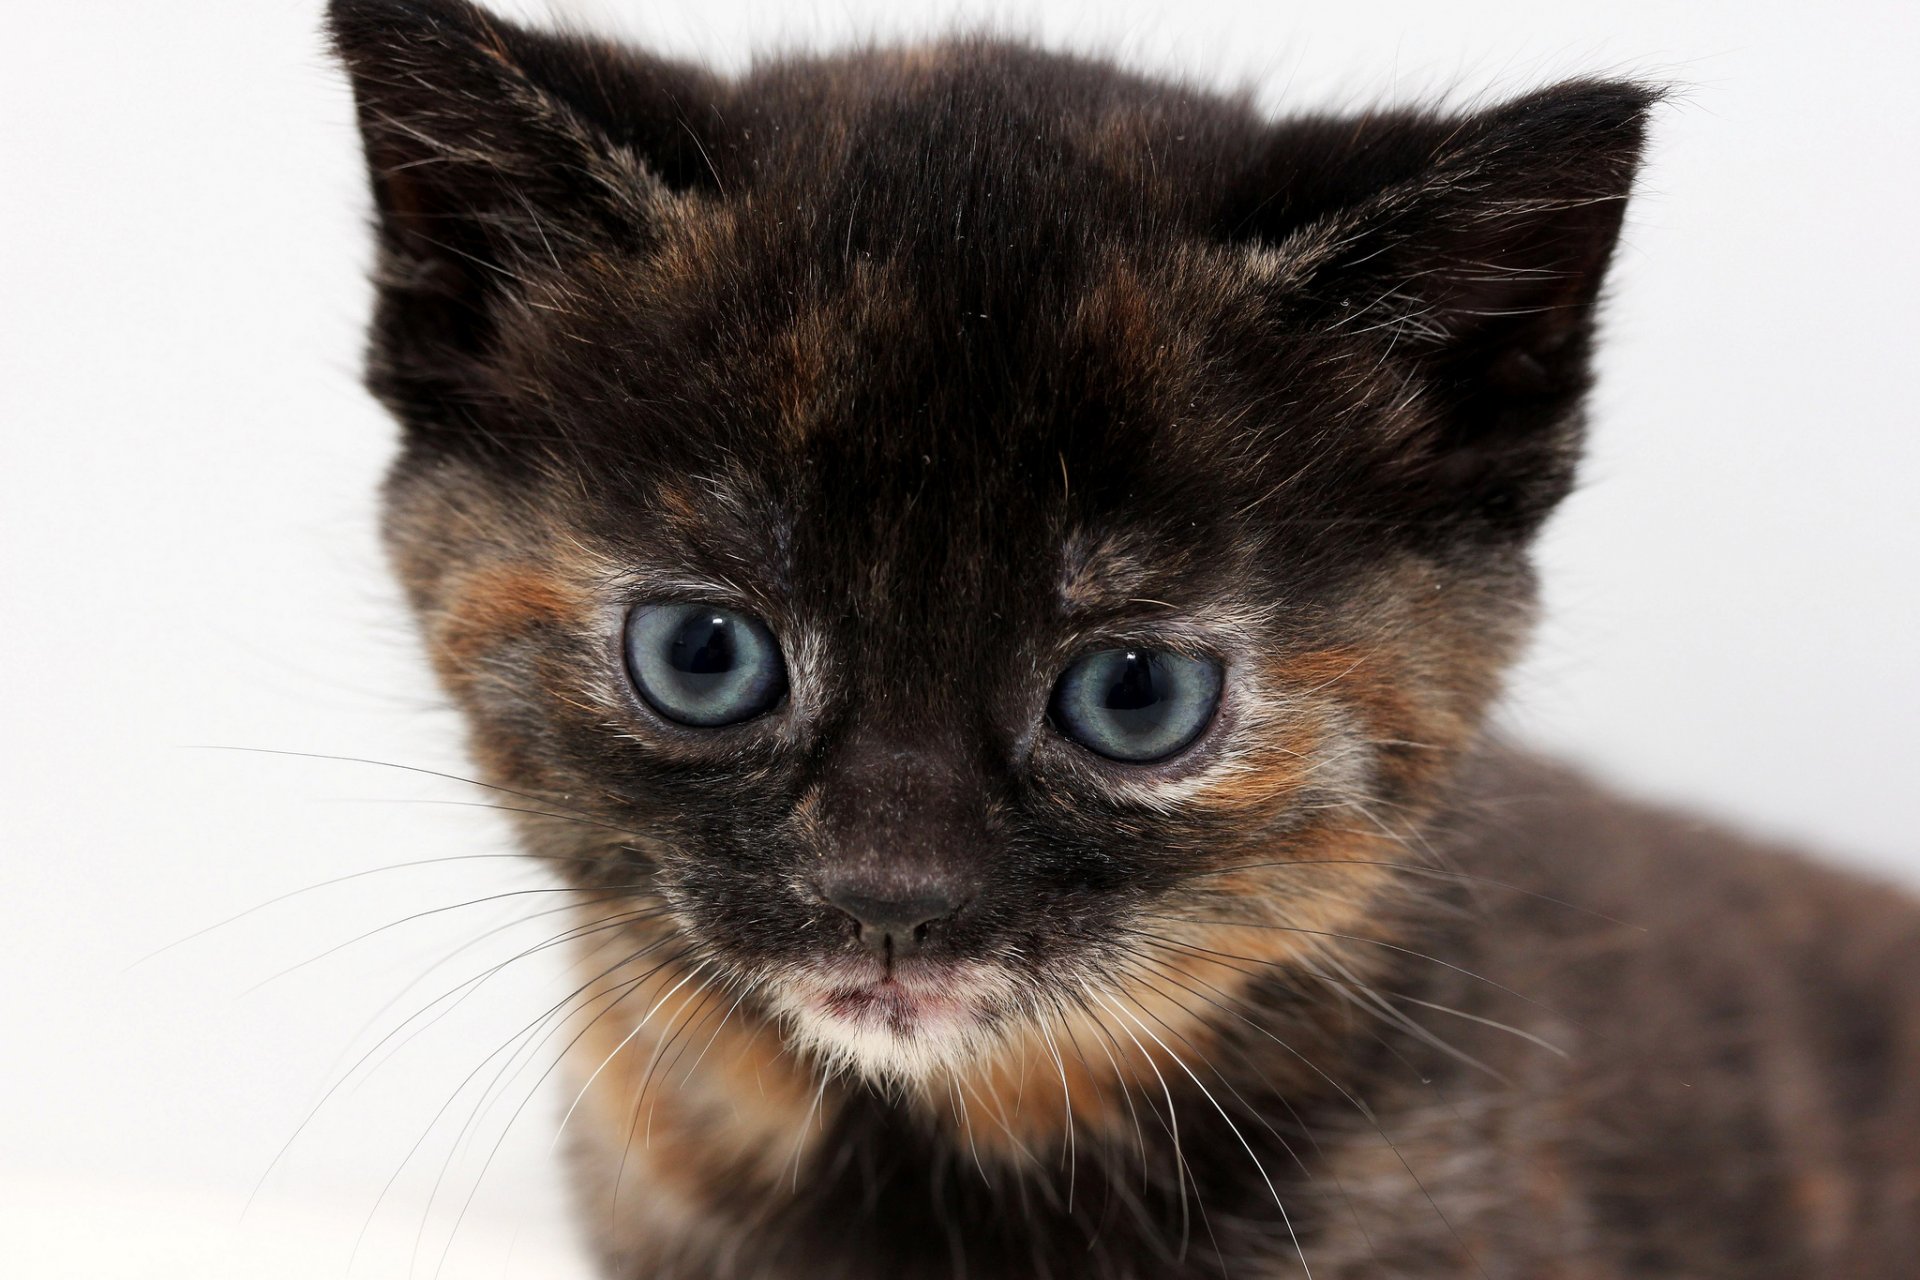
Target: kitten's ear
1476 246
475 126
492 147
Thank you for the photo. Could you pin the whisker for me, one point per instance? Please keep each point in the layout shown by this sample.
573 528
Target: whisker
560 816
1126 1093
1066 1101
323 884
745 991
314 1111
1354 937
1173 1122
564 1003
640 1090
1365 1111
464 990
1377 1008
404 920
382 764
1413 868
677 1035
534 1033
1199 1200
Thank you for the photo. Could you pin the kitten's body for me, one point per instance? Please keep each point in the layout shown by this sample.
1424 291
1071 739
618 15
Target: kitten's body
949 370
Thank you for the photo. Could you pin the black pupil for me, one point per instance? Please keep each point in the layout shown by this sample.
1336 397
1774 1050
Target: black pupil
1134 689
703 651
1137 700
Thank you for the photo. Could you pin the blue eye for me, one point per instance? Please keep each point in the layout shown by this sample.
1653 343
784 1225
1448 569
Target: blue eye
702 665
1136 705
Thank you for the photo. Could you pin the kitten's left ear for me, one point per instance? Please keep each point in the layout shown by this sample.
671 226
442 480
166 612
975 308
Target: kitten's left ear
1475 246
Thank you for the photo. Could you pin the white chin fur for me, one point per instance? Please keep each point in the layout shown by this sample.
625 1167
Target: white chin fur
943 1026
882 1054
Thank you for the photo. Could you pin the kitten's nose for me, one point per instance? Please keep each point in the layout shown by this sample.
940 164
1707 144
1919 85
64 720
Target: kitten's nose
892 926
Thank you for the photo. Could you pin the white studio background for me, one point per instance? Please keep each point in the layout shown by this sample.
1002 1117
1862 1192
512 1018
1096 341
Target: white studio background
189 565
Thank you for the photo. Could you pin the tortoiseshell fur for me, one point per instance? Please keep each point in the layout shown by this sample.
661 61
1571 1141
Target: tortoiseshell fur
952 363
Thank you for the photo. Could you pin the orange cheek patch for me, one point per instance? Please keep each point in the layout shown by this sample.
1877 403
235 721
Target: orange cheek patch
1277 916
1263 779
1288 719
1286 729
1077 1084
1276 898
1369 680
491 606
1096 1078
1412 725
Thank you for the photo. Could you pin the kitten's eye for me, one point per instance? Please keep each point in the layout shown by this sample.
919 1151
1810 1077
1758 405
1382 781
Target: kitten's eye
701 665
1136 705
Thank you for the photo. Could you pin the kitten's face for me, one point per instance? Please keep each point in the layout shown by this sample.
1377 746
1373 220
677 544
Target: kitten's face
941 571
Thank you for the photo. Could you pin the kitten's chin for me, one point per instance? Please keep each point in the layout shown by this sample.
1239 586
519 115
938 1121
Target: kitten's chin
903 1027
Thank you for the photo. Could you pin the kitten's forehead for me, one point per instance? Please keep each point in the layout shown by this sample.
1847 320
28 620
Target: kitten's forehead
1063 415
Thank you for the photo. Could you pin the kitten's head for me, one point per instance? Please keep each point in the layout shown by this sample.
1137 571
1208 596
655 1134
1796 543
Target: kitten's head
949 539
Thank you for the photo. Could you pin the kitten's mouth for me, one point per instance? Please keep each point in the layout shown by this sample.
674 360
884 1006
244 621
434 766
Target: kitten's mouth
902 1004
901 1021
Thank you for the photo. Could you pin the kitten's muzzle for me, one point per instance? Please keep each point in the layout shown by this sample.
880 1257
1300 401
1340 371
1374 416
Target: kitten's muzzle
892 926
903 826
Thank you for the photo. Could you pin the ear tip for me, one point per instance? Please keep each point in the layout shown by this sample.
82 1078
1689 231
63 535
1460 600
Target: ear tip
1588 110
357 24
365 10
1621 104
1594 127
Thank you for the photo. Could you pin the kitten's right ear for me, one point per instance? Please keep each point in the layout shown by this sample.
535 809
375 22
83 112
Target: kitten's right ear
492 148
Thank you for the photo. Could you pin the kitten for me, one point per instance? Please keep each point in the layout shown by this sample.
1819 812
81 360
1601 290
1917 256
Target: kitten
987 573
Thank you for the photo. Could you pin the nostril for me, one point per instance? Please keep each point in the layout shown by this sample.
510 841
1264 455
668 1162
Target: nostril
897 925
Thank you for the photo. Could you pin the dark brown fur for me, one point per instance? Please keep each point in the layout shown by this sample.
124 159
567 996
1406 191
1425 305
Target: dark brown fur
954 363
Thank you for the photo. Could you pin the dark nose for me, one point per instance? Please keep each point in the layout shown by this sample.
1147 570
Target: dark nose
892 926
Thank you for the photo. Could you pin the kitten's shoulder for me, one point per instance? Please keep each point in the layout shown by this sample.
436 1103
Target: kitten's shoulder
1551 826
1674 950
1694 1052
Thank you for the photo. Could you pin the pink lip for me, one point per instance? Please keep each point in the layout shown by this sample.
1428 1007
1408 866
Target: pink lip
890 1002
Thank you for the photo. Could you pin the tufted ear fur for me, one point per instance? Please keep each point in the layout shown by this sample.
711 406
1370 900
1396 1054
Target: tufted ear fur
494 150
1473 248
